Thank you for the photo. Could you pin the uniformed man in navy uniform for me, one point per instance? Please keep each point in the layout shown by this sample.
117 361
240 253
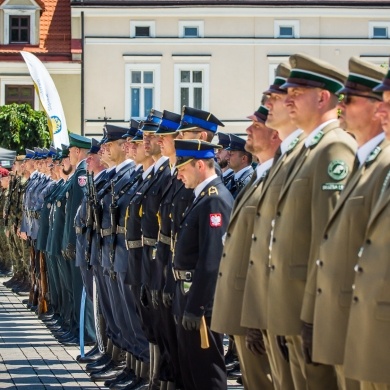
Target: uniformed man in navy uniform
197 253
239 161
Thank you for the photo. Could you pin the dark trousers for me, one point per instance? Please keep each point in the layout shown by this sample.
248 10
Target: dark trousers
65 288
112 330
133 331
201 368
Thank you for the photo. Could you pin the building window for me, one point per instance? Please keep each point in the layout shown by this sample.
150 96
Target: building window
19 29
191 86
379 30
191 29
19 94
142 29
142 89
20 26
286 29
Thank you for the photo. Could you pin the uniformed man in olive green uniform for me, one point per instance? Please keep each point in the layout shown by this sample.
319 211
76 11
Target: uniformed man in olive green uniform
304 206
329 294
367 355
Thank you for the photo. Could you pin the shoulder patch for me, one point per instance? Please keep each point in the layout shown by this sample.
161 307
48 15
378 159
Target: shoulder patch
338 170
216 220
82 180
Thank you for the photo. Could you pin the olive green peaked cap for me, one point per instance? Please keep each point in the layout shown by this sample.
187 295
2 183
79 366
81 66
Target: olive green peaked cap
281 74
310 72
363 77
385 85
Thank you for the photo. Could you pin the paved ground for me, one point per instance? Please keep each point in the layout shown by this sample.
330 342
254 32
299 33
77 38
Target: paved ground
31 358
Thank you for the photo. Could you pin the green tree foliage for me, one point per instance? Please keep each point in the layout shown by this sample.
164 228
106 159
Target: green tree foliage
22 127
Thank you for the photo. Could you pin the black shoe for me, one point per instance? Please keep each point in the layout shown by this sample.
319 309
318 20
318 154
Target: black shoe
73 342
125 376
129 379
61 333
231 360
235 373
25 301
138 384
65 336
90 359
98 364
109 371
33 308
92 352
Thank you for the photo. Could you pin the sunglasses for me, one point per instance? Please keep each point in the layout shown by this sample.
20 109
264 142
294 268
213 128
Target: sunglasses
347 98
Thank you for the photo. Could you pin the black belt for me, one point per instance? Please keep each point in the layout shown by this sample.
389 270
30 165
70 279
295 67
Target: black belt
120 230
185 275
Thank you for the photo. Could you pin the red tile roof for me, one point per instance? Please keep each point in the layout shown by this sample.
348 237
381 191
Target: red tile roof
55 34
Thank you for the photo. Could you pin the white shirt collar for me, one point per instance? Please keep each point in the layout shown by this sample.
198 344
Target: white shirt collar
95 177
238 174
123 164
227 172
262 168
146 173
290 138
364 151
198 189
311 136
160 162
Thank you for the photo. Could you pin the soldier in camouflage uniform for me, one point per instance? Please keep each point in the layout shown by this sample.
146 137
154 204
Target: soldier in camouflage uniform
5 260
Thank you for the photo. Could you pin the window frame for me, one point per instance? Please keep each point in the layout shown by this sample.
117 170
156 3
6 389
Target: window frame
8 12
199 24
372 25
286 23
205 68
17 81
142 23
28 29
156 69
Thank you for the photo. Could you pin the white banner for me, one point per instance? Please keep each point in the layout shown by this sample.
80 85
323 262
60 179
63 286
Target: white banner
49 97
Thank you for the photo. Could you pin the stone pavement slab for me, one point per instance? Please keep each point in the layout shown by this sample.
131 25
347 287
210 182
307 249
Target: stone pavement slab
30 356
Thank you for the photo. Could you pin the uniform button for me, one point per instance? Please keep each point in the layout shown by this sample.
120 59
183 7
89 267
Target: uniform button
220 274
278 213
325 237
319 291
254 238
319 263
251 262
272 267
355 299
353 287
228 234
368 241
273 239
257 214
173 204
186 224
202 307
223 254
358 269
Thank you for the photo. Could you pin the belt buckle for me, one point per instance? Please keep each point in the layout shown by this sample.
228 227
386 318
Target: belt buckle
188 276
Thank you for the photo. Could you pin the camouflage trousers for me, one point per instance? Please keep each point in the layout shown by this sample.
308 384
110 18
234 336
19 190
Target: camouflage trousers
5 256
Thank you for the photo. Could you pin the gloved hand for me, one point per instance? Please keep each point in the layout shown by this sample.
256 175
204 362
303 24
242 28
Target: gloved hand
167 299
155 298
190 321
143 297
307 342
282 344
254 341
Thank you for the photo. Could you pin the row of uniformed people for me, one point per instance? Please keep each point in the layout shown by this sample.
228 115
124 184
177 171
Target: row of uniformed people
132 263
304 272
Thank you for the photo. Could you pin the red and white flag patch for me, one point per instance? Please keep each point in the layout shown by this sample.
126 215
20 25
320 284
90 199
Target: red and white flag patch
216 220
82 181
